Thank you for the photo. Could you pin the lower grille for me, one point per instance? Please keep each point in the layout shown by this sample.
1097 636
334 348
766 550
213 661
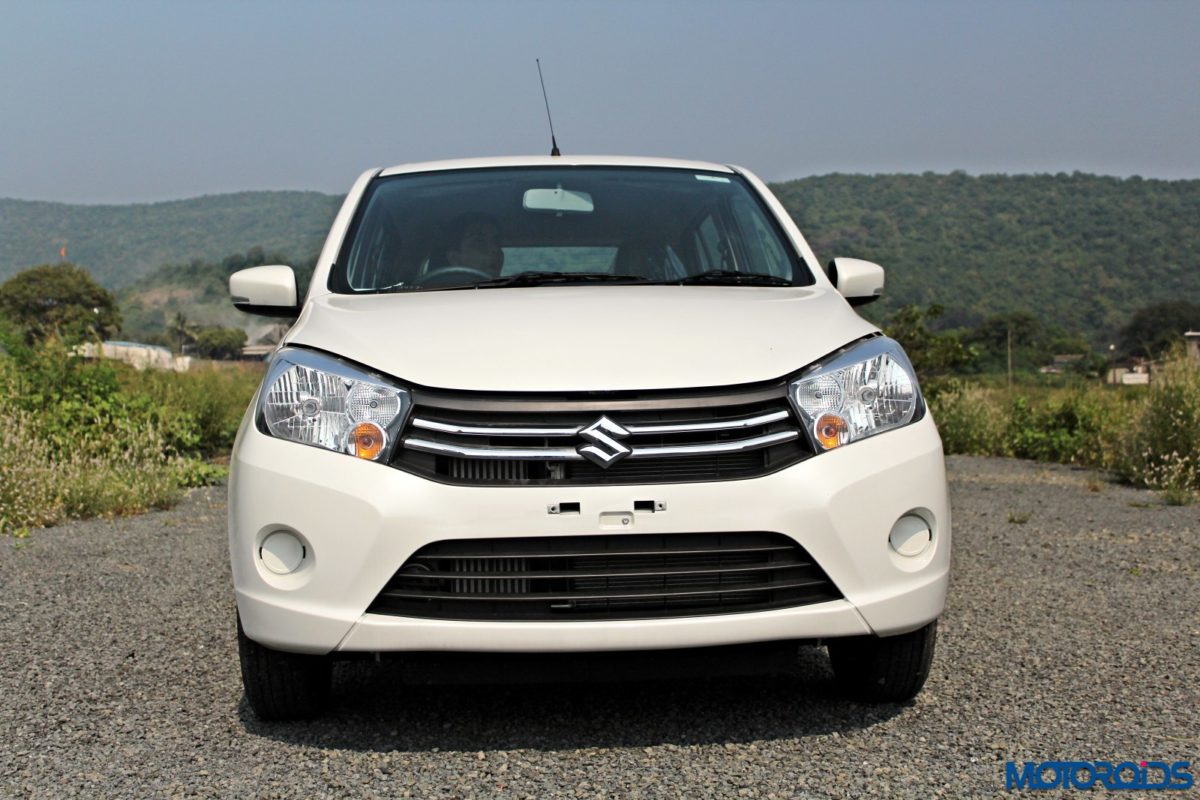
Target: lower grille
696 468
467 471
605 577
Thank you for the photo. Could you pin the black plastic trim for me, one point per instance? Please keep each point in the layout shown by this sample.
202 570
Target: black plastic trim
604 401
604 576
284 312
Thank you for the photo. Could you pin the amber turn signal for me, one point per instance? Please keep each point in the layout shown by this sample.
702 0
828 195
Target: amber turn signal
830 429
367 440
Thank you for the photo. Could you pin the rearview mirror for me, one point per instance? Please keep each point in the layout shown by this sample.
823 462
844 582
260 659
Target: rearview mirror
860 282
558 200
269 290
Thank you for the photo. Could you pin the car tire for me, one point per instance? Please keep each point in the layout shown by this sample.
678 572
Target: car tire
884 669
283 686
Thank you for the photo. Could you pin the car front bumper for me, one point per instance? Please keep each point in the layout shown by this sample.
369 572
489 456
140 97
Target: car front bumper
360 521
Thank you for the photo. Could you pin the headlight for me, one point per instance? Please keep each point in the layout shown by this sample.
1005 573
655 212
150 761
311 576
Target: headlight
867 389
323 402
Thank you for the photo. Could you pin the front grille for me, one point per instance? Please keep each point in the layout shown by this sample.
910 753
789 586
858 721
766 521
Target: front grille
656 438
624 576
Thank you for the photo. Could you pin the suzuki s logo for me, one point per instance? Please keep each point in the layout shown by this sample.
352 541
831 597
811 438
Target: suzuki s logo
603 449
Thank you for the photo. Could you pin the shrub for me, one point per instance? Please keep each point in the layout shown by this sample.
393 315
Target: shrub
121 476
1161 449
220 343
28 493
1148 437
209 398
969 420
90 438
1070 428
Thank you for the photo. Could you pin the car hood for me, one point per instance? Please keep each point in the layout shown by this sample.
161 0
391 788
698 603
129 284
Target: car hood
582 338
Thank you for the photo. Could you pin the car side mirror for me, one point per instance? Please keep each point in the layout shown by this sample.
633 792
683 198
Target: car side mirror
269 291
860 282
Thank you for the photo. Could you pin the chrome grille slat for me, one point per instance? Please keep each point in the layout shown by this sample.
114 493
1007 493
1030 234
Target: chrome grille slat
497 453
569 454
573 430
724 425
495 430
736 446
574 439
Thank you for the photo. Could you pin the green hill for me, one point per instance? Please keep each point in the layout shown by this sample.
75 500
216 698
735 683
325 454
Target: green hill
119 244
198 290
1082 252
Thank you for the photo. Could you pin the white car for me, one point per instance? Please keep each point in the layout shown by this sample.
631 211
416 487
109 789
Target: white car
580 404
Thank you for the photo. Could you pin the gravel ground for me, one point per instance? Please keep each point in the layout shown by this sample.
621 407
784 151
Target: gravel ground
1073 634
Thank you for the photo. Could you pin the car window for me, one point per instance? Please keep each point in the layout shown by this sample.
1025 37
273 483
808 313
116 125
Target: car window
558 259
456 228
762 244
710 245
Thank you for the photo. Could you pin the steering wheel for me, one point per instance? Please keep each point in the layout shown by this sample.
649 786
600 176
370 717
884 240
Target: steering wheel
436 276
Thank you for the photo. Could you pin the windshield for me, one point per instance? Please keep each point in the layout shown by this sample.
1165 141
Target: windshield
488 228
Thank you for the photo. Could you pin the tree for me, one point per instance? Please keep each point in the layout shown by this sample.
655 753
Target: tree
220 343
1021 328
10 337
181 330
1031 342
932 353
60 300
1153 329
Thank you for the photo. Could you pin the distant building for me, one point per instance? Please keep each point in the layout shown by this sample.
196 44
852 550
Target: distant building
1061 363
266 341
258 351
1135 372
1139 371
140 356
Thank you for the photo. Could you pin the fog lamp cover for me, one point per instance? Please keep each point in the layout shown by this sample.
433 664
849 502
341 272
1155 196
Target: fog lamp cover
282 553
910 535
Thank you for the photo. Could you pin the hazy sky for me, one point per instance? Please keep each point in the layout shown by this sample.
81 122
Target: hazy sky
137 101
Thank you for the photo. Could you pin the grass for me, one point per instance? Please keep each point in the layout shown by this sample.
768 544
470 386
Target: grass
86 439
1178 496
1146 436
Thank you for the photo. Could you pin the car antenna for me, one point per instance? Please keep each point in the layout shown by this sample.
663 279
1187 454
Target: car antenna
553 144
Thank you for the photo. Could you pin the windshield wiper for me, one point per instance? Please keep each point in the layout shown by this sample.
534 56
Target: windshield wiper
730 276
537 278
